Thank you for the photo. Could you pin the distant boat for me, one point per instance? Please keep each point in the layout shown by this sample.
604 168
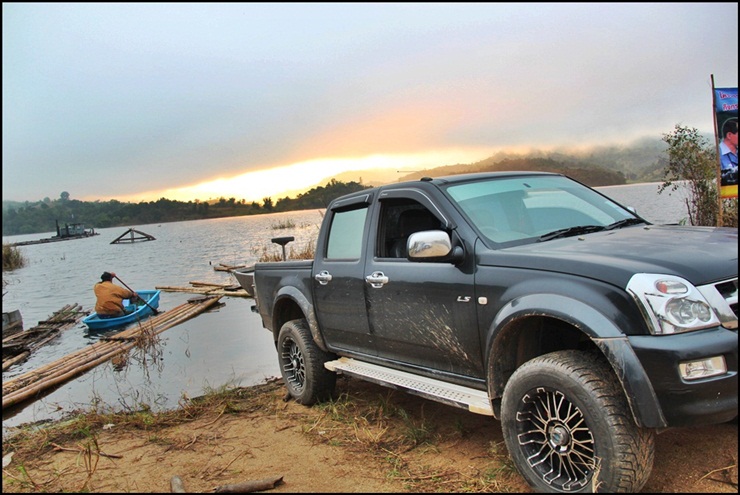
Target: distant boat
136 311
73 230
69 231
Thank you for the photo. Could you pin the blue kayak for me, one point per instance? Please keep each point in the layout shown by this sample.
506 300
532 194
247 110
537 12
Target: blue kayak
135 311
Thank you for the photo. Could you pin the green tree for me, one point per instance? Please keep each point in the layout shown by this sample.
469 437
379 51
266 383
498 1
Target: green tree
64 196
691 158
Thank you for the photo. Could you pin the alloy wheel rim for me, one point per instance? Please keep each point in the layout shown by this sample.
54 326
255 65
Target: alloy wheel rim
293 365
555 439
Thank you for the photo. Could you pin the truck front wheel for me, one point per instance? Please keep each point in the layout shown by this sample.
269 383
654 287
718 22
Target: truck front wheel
568 427
302 364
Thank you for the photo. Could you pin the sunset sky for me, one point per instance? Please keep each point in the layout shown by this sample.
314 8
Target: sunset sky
137 101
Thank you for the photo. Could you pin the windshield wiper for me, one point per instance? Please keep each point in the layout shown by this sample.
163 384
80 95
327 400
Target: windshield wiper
570 231
624 223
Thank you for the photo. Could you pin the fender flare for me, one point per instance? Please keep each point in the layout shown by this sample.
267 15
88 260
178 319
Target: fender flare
602 331
296 296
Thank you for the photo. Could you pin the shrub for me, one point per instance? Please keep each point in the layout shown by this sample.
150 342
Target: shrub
12 257
691 158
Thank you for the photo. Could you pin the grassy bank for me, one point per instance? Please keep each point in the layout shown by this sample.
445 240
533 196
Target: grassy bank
405 441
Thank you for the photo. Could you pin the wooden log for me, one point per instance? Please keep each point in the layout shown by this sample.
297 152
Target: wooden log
45 340
14 349
222 267
215 291
7 363
250 486
228 286
208 284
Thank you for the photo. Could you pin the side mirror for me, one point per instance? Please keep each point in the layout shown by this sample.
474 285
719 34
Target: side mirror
433 245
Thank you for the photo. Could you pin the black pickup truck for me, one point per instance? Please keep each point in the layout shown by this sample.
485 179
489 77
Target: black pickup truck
526 296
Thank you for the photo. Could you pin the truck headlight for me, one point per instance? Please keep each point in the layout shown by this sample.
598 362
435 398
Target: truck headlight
670 304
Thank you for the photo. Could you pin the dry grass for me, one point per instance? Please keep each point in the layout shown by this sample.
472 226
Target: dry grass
414 440
304 253
373 438
33 441
367 422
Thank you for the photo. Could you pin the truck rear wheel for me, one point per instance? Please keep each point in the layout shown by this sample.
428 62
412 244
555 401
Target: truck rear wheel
302 364
568 427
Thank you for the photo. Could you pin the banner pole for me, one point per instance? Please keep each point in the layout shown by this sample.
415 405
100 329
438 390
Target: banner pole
718 168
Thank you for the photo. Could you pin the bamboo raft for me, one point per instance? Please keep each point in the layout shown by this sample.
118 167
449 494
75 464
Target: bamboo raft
209 289
27 385
19 346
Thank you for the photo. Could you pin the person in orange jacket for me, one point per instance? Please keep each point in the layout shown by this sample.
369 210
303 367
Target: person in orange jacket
110 297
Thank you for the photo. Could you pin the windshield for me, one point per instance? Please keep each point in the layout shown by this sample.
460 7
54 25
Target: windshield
536 208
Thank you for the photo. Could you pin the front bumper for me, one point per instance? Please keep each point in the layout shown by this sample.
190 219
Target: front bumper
691 402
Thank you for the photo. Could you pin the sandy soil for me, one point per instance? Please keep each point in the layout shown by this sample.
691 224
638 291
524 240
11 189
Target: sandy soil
371 439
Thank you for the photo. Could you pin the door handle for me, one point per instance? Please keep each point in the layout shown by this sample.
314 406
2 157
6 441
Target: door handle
377 280
323 277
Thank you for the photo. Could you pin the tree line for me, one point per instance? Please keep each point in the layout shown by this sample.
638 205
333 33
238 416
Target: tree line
43 216
696 164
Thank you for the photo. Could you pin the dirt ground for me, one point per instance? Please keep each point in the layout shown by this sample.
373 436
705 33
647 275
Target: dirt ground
370 439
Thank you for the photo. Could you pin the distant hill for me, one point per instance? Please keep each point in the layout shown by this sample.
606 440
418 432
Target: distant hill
642 161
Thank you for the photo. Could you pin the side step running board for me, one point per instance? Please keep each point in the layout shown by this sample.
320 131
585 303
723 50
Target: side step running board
467 398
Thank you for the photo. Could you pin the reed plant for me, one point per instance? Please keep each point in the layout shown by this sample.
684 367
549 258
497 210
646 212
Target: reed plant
283 224
12 257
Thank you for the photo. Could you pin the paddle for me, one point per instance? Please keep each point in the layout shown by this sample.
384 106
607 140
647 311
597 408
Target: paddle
132 290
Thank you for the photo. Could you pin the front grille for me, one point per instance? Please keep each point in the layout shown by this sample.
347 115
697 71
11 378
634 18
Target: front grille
723 298
728 290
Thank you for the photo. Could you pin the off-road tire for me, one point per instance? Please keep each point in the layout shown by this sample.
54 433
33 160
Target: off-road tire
302 364
568 427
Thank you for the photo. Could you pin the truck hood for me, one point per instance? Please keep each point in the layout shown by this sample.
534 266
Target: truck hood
698 254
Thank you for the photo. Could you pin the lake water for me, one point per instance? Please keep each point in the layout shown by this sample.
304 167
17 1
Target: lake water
227 346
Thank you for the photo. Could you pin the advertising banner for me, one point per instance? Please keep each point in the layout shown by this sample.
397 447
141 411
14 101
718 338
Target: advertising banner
725 112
